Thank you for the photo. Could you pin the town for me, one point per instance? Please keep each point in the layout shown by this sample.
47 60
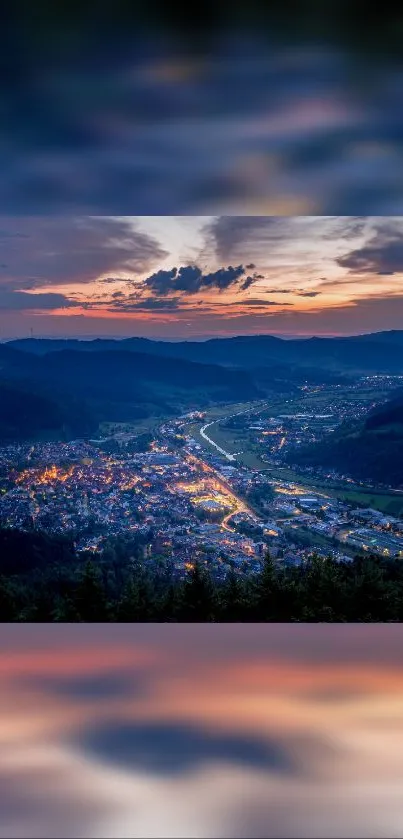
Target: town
190 495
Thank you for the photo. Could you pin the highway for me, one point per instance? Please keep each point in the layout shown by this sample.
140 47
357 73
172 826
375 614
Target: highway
205 436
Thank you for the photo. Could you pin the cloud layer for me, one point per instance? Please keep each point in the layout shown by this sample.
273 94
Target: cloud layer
236 274
222 731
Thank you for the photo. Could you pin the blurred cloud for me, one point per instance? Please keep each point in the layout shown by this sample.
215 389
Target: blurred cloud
219 731
171 748
107 119
89 687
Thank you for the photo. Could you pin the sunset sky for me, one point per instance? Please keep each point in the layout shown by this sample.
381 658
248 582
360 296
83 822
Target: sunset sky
219 731
200 276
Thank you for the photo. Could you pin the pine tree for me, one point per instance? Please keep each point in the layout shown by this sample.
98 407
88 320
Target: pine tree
90 598
169 604
264 589
137 603
373 597
232 599
198 596
8 603
64 611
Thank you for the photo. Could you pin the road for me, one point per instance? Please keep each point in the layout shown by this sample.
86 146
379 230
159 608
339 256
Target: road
205 436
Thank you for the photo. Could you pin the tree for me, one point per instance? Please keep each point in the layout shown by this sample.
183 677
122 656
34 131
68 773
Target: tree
90 598
232 599
64 611
169 604
322 591
197 596
374 598
263 592
8 603
137 603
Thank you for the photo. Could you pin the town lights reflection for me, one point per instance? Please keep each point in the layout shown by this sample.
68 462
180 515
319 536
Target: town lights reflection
201 731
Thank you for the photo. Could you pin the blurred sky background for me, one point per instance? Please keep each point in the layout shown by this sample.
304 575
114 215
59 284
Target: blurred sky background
155 108
201 731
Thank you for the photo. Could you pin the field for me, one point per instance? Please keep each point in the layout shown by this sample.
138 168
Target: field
134 427
390 503
306 538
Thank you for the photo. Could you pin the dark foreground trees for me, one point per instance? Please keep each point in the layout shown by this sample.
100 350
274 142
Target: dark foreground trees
46 581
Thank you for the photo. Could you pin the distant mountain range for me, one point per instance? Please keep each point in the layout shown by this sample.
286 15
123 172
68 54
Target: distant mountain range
370 450
380 352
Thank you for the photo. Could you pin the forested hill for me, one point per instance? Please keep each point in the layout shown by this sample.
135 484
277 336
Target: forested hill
26 414
371 450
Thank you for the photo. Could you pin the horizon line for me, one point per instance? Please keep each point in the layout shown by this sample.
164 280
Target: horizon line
196 338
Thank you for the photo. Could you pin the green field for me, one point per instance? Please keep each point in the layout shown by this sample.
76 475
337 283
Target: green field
317 540
389 503
134 427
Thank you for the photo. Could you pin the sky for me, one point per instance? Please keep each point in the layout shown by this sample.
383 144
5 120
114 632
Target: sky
184 277
219 731
246 120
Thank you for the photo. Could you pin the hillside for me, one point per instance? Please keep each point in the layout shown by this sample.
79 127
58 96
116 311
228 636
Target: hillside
28 415
371 450
24 414
123 385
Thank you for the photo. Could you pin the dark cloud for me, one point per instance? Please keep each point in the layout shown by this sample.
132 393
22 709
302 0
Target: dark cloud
162 282
190 279
308 293
50 250
250 280
170 748
21 300
111 280
228 232
258 302
382 254
93 688
147 304
224 277
269 237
